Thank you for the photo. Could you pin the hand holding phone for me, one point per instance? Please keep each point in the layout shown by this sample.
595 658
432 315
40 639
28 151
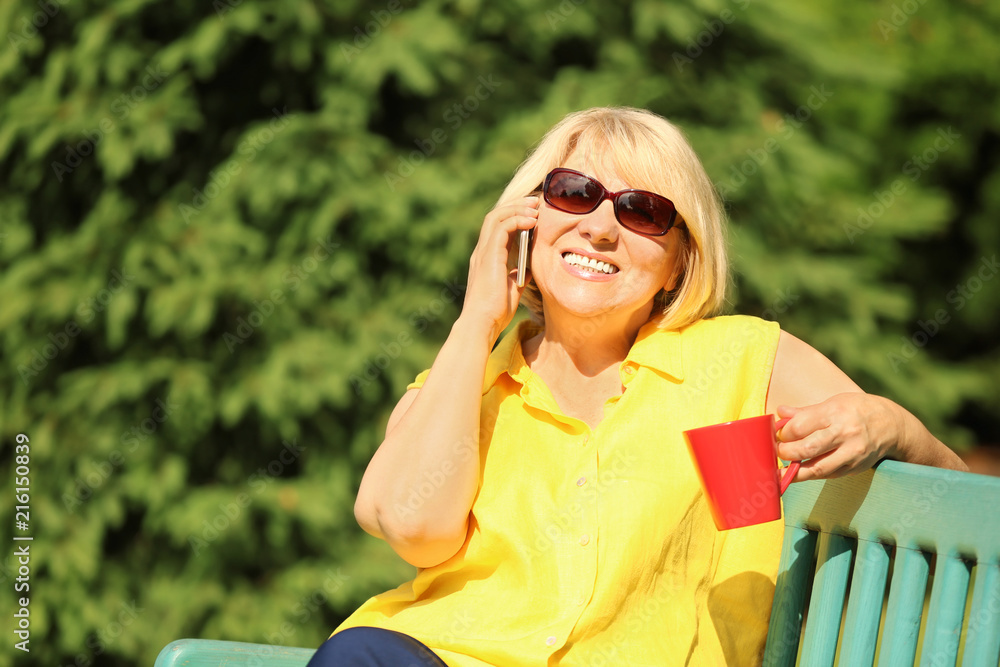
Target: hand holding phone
523 246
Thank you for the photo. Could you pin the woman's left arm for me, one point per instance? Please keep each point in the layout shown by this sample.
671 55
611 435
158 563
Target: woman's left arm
837 429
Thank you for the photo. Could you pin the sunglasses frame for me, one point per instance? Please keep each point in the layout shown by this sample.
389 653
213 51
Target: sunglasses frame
607 194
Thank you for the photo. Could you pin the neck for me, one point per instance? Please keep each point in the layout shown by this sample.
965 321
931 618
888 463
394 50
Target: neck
589 344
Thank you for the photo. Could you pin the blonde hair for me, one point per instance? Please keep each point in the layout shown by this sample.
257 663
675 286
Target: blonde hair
649 153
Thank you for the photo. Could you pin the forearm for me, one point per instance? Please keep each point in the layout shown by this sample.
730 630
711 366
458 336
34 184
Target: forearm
915 444
420 484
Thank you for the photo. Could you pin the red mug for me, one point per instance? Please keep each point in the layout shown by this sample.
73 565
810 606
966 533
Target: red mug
737 463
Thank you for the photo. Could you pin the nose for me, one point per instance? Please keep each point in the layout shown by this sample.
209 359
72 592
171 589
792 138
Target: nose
600 225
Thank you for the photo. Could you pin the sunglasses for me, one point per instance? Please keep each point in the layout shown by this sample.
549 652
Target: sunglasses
637 210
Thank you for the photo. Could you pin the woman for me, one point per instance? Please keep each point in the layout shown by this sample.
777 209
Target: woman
544 489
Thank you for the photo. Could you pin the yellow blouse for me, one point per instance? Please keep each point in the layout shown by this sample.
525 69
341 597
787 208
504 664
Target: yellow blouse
596 547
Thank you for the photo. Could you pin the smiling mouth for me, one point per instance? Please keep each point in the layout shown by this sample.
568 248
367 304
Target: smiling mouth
589 264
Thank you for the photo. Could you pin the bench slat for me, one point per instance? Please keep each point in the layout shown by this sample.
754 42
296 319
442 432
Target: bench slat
864 608
982 646
906 604
794 576
826 606
947 609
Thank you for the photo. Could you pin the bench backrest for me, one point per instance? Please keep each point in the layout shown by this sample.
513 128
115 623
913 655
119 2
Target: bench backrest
857 557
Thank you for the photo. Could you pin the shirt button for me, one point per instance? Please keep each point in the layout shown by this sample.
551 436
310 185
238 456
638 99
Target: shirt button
550 641
584 540
581 481
629 370
585 440
580 601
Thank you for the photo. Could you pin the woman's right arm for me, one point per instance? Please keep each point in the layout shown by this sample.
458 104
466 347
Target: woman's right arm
418 489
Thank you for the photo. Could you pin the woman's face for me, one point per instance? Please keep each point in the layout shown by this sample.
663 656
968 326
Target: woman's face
640 266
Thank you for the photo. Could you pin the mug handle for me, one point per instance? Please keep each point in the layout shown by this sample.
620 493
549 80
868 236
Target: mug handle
793 466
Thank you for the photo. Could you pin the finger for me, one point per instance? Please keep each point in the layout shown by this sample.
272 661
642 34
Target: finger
812 445
516 291
527 206
502 236
831 466
787 411
515 221
822 467
509 217
802 421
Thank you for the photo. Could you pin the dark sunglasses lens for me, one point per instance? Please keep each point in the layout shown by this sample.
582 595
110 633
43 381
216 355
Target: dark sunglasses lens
645 214
573 193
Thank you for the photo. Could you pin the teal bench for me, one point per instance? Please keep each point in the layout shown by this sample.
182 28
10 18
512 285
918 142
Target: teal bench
858 558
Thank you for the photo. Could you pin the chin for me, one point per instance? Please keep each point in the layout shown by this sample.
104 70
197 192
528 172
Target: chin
587 307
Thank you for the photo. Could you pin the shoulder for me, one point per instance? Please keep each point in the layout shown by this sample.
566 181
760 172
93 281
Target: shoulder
739 331
804 376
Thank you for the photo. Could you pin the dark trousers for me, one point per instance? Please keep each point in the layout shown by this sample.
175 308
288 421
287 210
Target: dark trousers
373 647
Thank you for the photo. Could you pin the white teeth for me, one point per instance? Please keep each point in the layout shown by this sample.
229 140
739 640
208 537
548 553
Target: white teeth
588 263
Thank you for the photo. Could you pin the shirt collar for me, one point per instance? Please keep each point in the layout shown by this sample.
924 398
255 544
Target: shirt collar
658 349
655 348
507 356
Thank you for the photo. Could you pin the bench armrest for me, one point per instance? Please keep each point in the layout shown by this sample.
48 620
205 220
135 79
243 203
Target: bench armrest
211 653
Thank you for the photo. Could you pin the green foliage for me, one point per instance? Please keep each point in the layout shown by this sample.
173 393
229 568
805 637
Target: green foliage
231 233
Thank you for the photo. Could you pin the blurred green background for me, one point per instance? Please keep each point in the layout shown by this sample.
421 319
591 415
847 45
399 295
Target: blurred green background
232 231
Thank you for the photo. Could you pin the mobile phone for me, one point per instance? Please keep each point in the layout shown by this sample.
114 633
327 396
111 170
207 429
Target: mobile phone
523 243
